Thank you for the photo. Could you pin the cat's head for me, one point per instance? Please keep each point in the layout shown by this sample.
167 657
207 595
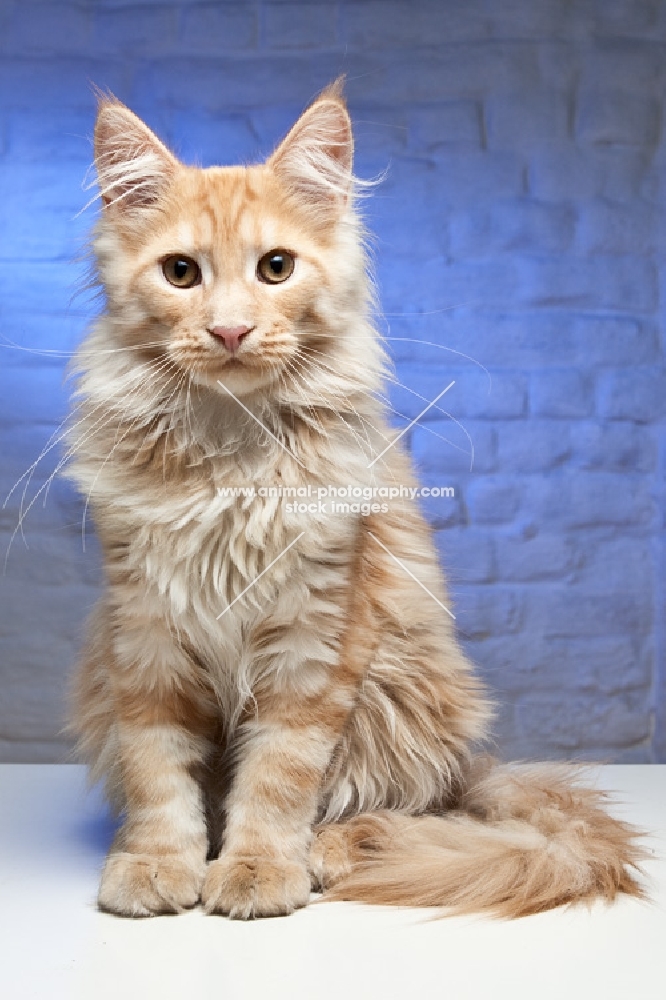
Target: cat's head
237 273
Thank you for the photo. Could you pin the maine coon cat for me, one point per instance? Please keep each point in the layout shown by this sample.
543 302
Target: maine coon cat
273 692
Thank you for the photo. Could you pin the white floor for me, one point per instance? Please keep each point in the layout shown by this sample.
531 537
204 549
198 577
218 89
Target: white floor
55 945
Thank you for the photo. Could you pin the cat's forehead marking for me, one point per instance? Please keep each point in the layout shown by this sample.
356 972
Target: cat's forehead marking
239 213
227 187
231 210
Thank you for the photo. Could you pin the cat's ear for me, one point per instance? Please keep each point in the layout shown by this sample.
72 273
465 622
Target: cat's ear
133 166
315 160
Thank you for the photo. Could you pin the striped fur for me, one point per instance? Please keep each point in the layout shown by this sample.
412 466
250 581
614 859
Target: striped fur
270 696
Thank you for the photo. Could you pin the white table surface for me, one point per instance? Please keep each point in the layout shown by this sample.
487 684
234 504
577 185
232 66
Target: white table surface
54 944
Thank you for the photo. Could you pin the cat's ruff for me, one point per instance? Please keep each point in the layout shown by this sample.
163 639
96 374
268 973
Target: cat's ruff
272 700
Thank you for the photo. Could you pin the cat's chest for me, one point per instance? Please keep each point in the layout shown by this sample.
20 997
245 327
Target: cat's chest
220 530
212 505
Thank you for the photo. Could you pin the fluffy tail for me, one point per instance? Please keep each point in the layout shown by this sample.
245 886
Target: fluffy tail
523 840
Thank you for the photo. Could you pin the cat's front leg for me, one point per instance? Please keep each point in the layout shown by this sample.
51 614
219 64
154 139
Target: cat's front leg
263 868
158 859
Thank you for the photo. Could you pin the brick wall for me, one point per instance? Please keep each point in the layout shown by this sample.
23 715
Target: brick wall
521 225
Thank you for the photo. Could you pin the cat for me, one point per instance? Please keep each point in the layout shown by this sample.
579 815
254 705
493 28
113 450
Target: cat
273 693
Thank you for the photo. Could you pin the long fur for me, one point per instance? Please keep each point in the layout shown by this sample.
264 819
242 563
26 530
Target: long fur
521 841
274 696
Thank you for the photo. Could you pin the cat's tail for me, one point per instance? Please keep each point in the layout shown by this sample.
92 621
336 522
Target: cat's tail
521 841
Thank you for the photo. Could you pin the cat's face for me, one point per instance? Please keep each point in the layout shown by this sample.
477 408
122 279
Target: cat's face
235 272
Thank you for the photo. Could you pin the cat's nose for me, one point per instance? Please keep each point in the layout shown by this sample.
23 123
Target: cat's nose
231 336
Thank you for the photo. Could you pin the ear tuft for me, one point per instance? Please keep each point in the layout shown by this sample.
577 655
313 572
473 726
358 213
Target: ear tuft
315 159
335 90
133 166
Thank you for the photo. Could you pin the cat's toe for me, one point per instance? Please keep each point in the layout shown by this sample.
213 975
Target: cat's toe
246 887
330 857
140 885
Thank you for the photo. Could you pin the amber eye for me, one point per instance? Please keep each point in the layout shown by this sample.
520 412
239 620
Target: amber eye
275 266
183 272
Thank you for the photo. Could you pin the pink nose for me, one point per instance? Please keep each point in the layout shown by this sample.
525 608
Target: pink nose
231 335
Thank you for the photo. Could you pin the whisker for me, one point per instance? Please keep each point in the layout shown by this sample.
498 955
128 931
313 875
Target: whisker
432 312
188 407
428 343
54 440
291 372
88 352
175 392
342 419
105 418
430 430
446 413
337 391
153 367
451 350
111 452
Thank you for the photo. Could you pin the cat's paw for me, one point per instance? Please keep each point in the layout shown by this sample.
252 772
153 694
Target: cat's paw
330 856
246 887
140 885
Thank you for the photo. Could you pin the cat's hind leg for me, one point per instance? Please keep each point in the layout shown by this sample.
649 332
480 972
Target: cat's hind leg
332 855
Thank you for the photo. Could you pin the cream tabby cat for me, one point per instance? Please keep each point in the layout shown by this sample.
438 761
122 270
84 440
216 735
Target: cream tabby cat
274 701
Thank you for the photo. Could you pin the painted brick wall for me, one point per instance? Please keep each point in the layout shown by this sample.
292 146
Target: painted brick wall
520 229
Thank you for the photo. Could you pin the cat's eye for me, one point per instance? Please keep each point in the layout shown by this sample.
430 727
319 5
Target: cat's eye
275 266
181 271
